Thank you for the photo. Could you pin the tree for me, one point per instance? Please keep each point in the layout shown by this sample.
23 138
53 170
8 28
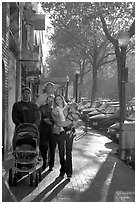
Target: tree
81 36
123 20
80 28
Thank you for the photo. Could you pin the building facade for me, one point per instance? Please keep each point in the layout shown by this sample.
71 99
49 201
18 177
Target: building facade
18 38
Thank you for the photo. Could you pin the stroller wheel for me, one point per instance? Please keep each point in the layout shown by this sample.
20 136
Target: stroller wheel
10 177
36 180
31 179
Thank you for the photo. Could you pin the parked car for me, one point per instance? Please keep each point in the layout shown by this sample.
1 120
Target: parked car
96 104
113 130
110 116
85 103
102 108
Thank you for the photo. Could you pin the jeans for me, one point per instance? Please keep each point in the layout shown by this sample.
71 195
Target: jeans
60 142
64 142
68 164
52 147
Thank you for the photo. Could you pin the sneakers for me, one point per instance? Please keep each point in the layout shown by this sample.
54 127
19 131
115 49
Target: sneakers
50 169
69 177
61 174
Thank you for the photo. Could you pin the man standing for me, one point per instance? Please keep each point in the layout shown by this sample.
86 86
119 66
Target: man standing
25 111
47 90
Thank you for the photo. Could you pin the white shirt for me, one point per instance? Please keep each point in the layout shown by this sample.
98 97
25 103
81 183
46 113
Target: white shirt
62 117
59 113
41 100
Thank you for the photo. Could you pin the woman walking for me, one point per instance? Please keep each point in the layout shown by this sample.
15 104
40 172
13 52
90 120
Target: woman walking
62 139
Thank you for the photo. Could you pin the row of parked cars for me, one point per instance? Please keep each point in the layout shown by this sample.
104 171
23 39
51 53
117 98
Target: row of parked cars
102 114
105 114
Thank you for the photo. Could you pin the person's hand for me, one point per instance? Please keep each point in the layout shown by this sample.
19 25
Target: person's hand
75 123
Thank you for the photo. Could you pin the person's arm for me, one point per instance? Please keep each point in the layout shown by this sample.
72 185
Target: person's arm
15 116
57 120
41 99
36 115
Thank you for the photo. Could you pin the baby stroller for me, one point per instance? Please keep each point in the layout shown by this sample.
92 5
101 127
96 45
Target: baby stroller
25 151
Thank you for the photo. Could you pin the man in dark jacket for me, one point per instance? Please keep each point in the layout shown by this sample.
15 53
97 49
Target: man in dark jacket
25 111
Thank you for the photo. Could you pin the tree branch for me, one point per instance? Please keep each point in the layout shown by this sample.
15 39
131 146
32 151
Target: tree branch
106 62
105 29
132 29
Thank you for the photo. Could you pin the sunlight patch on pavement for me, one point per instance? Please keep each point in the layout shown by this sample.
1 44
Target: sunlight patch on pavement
124 196
85 173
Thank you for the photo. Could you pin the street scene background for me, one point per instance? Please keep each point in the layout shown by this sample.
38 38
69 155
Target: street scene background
87 49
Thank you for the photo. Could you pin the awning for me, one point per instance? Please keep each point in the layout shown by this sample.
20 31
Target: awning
54 80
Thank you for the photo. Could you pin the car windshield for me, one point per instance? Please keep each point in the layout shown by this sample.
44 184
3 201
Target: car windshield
96 104
102 107
112 109
131 117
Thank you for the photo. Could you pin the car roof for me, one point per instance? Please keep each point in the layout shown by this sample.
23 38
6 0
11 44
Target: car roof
105 99
113 102
115 105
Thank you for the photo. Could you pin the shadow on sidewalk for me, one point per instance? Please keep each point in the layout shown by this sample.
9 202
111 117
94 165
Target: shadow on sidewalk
113 182
22 189
42 196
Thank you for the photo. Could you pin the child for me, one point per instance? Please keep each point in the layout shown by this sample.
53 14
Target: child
71 113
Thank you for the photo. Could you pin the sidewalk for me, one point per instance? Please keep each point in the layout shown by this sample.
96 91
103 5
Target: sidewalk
98 176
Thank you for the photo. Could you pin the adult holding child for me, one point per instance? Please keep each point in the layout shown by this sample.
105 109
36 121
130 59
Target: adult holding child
59 114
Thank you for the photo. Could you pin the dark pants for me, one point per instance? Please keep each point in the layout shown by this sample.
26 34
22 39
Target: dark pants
65 143
69 144
47 142
60 142
52 147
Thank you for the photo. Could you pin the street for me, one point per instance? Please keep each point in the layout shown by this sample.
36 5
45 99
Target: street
98 176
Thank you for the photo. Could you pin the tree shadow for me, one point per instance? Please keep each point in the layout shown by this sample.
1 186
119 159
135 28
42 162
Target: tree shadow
20 191
56 191
109 183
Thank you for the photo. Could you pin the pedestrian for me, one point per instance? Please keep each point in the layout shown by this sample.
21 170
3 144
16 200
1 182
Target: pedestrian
47 90
64 142
25 111
46 129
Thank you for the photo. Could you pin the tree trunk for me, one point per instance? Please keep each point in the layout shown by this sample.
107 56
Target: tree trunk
94 85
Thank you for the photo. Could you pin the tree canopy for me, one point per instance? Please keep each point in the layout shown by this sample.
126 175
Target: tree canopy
88 31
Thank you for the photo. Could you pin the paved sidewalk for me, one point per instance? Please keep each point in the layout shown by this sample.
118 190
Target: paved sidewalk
98 176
